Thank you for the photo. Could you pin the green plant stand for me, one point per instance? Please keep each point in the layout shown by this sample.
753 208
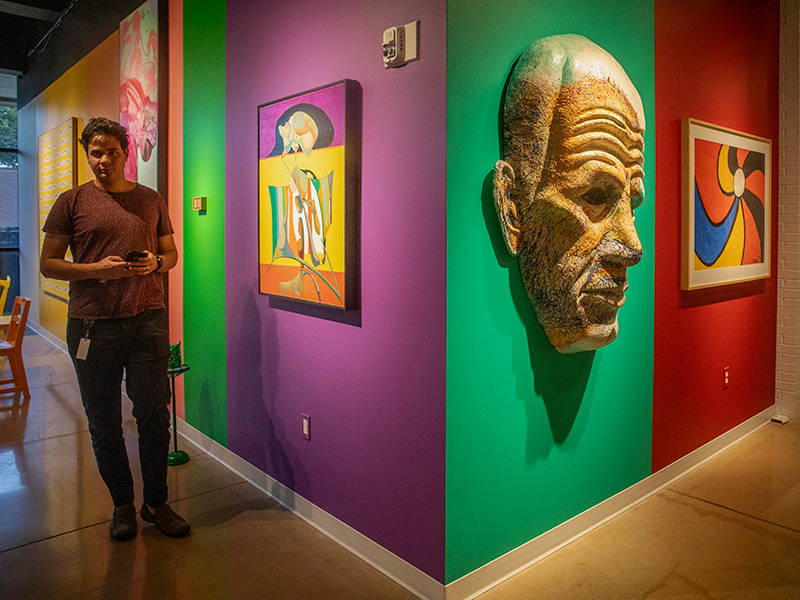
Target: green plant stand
176 457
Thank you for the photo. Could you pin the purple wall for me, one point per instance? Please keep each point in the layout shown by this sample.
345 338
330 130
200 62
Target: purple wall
375 391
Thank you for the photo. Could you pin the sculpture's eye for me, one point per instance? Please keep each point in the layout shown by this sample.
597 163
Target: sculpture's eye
597 195
598 199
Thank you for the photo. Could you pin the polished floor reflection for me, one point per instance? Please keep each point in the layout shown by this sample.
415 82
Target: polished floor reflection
728 530
54 514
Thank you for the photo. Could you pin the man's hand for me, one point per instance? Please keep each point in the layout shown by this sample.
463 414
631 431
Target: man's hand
53 265
111 267
143 266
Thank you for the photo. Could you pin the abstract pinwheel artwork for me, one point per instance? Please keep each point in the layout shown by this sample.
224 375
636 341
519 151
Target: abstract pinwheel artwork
726 208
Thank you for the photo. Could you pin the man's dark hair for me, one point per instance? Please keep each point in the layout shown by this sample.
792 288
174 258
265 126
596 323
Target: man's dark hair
103 126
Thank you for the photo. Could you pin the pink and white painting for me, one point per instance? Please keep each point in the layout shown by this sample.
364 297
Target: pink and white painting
138 93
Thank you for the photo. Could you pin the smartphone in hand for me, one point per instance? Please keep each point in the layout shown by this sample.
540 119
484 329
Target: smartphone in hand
134 256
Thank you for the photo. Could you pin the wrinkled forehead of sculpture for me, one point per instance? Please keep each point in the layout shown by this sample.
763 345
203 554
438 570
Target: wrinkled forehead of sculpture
543 69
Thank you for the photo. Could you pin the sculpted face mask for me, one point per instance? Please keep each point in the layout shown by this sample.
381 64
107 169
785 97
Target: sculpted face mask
571 179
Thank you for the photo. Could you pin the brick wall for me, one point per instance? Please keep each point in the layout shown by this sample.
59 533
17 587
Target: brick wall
787 376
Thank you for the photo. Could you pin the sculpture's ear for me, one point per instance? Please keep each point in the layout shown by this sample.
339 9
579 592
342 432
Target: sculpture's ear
504 181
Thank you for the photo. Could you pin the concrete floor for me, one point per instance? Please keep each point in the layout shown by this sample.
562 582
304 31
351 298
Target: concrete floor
728 530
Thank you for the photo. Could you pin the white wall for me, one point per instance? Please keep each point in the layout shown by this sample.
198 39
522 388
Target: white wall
787 377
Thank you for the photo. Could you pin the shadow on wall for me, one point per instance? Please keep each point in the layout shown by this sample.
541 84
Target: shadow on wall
257 390
560 380
721 293
318 311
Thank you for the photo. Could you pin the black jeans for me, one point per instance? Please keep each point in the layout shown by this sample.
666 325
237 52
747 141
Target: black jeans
140 346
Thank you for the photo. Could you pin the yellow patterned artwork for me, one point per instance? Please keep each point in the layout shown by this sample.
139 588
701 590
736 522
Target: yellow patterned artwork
57 174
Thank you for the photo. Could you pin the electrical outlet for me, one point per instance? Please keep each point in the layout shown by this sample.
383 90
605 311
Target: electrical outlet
307 427
726 376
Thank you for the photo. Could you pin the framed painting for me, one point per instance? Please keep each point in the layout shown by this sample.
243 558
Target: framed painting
138 93
57 152
308 196
726 206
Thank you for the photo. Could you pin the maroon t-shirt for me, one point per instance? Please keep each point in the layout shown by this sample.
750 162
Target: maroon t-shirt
102 224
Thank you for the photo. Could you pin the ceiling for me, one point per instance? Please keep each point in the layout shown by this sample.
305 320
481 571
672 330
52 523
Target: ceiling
23 24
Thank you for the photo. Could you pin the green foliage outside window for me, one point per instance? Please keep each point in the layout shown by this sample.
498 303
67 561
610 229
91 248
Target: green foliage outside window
8 137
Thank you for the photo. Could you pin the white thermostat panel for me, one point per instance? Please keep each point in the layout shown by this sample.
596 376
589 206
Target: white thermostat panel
401 45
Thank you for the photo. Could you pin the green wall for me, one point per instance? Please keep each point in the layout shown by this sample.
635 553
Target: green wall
204 234
533 437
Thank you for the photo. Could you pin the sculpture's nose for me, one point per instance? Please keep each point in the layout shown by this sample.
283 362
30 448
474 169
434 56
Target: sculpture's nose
621 251
621 244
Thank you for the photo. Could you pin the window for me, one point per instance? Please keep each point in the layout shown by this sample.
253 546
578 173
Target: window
9 186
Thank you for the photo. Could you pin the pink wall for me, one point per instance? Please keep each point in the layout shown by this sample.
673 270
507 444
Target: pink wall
716 61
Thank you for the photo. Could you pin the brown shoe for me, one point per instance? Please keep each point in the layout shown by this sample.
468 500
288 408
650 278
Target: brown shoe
123 524
165 519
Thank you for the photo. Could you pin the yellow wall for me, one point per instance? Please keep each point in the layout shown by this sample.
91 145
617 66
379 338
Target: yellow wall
89 89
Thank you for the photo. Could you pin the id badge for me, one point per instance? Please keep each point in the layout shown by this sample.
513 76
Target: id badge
83 348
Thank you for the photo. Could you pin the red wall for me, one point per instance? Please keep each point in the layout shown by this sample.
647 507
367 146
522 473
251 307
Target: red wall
717 61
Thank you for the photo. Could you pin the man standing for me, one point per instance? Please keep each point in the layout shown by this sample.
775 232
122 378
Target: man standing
121 241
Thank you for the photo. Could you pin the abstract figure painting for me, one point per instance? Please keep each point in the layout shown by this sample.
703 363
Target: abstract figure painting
308 196
138 93
726 206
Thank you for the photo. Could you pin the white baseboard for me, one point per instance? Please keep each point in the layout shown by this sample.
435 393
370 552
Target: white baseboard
790 409
489 575
503 567
391 565
500 569
60 344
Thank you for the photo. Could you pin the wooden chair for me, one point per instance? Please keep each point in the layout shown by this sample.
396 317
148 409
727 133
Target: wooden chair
4 319
4 285
11 347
